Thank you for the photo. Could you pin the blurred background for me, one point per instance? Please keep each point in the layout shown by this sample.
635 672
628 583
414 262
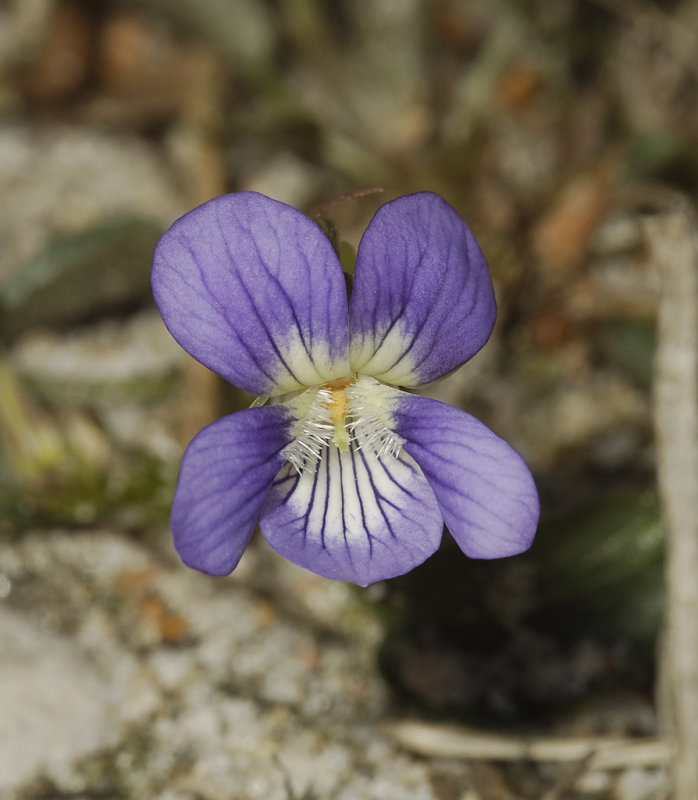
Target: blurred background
552 127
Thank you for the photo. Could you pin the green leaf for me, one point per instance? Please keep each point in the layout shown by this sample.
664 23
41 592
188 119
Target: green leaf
81 276
600 569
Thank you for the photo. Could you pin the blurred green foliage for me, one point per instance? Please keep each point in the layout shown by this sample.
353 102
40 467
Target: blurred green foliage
81 276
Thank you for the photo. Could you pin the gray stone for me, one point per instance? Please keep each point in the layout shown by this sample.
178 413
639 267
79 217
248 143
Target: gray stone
265 688
641 784
92 177
55 705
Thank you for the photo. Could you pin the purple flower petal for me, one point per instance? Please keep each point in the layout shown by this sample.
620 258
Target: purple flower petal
484 489
357 518
423 301
253 289
226 473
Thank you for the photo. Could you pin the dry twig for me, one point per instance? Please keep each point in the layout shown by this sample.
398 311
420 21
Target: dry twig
447 741
673 248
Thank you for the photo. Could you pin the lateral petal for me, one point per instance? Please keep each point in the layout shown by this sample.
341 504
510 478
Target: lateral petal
422 302
253 289
485 491
226 473
359 517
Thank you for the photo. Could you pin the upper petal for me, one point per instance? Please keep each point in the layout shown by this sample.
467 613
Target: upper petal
226 473
484 489
358 517
253 289
422 301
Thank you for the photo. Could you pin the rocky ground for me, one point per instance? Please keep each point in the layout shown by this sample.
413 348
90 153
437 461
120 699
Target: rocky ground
125 676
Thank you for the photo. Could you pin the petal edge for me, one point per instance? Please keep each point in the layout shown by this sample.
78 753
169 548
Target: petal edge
225 475
359 517
485 490
253 290
423 301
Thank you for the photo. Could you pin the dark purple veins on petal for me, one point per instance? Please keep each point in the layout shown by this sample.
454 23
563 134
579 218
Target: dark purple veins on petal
484 489
419 275
226 473
253 289
357 517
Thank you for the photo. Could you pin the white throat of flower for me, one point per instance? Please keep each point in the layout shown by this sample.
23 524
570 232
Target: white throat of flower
351 413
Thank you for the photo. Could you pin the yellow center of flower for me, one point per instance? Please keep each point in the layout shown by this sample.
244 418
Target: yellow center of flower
338 405
350 413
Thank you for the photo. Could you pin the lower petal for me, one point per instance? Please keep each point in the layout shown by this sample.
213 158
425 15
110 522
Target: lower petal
484 489
358 517
226 473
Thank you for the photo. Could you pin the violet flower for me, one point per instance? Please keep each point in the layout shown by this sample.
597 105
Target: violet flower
346 474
